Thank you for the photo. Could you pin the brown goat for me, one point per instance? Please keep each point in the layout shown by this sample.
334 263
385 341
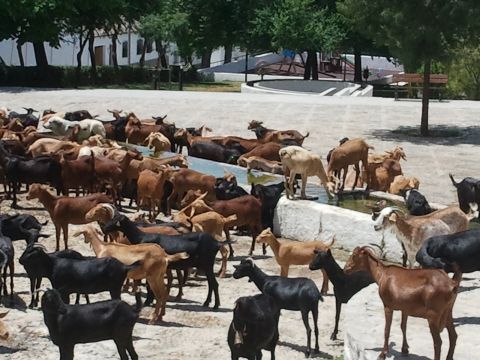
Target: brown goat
150 189
294 253
268 151
381 175
65 210
424 293
154 261
268 135
78 173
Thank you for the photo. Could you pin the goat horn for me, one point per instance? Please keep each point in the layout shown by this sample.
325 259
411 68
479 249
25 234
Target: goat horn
396 208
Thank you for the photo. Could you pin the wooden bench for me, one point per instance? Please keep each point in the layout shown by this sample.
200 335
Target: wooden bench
415 82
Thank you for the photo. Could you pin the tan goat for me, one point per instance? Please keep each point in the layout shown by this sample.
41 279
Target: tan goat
402 183
396 154
297 160
154 261
158 142
150 188
294 253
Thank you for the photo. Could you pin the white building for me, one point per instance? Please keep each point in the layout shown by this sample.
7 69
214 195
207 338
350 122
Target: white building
129 51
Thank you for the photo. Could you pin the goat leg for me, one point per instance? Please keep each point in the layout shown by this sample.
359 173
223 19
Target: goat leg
12 272
452 336
180 285
338 309
309 332
388 325
403 326
437 340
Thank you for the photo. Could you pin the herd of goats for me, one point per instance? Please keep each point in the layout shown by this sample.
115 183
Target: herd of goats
92 167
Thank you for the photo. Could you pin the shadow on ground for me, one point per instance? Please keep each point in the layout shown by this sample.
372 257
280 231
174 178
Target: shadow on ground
440 135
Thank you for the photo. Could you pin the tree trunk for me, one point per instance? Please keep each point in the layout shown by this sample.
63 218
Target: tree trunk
78 70
206 56
91 50
314 66
40 54
144 50
357 77
425 97
114 50
228 54
311 66
20 54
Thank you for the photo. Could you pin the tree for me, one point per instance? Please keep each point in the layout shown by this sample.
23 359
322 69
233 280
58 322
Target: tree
300 25
416 32
35 21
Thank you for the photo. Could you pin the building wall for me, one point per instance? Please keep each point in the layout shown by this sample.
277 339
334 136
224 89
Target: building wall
66 54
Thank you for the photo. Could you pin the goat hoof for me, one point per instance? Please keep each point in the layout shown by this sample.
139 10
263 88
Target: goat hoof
333 336
216 306
206 303
381 356
405 350
307 354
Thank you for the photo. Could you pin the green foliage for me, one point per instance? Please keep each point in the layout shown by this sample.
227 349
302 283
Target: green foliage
414 31
464 73
297 25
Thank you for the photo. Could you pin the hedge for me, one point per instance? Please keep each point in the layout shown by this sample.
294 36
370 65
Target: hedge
67 77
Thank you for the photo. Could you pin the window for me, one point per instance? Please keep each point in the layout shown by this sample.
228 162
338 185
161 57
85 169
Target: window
139 46
124 49
149 45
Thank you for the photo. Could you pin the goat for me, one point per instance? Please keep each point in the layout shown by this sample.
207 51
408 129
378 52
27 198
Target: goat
262 133
78 115
268 151
150 190
344 286
468 191
381 176
152 258
78 173
65 210
158 142
21 227
396 154
70 272
461 248
269 196
7 253
297 160
297 294
412 231
416 203
350 152
424 293
226 189
254 327
401 184
4 335
294 253
201 248
69 325
258 163
19 170
215 152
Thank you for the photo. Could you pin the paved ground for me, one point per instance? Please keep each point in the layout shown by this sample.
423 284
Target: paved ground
326 118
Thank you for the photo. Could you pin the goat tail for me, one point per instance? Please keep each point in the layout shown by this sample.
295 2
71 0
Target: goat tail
453 180
457 275
473 212
177 257
306 135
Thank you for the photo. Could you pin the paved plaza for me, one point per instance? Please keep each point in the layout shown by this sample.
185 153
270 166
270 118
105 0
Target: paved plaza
328 119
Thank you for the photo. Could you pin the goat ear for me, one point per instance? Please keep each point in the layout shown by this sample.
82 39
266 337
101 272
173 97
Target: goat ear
2 315
315 251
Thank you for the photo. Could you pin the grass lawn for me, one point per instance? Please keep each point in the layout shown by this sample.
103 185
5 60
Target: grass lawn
227 86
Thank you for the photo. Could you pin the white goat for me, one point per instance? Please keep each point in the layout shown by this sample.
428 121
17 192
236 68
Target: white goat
412 231
297 160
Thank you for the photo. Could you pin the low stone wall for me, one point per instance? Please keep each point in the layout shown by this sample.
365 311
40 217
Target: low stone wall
307 220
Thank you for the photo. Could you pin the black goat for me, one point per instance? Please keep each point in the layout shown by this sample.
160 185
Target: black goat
22 227
201 248
269 196
461 248
468 191
7 254
344 286
69 325
215 152
42 169
297 294
417 204
27 119
77 115
70 272
227 190
254 327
